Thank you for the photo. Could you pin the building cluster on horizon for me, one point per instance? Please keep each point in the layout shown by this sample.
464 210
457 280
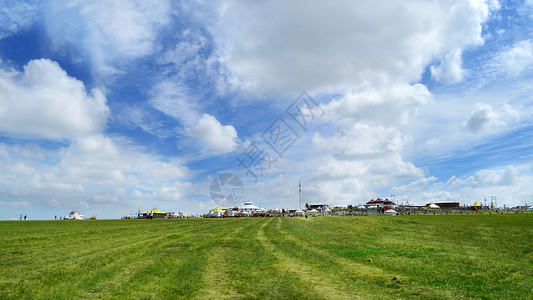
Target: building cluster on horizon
377 206
251 210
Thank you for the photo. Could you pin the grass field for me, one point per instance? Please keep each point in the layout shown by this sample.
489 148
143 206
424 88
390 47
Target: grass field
438 257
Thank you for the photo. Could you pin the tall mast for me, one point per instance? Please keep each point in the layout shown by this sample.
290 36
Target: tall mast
300 191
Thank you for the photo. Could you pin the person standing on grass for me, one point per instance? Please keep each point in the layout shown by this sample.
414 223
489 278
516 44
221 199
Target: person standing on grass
25 216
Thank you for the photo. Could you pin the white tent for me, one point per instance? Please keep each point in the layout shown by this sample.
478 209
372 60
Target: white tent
390 212
250 208
327 212
433 206
74 215
313 212
299 213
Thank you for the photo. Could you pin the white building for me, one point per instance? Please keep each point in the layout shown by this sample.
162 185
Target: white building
250 208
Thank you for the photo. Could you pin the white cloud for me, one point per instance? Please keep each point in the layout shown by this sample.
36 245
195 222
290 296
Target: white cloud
16 15
449 71
107 33
437 196
23 204
360 141
480 117
388 104
137 194
101 160
53 202
133 116
484 116
92 171
414 186
220 138
518 58
105 199
363 41
174 100
44 101
488 178
174 191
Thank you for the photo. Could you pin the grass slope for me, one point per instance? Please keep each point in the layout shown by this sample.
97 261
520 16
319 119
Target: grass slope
429 257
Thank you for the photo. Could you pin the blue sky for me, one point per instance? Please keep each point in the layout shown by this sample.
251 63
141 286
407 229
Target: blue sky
110 107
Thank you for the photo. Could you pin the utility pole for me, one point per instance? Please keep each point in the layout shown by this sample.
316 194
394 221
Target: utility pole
300 192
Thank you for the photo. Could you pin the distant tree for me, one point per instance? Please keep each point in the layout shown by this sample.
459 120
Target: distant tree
350 207
306 205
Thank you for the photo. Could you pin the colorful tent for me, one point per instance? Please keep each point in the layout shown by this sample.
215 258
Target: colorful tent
154 212
390 212
476 204
217 212
433 206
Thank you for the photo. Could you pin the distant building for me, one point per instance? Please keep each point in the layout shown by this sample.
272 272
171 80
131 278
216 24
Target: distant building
380 203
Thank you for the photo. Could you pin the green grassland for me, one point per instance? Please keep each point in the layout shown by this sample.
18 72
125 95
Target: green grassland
406 257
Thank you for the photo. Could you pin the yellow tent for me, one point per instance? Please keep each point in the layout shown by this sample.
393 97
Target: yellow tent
155 213
476 204
218 209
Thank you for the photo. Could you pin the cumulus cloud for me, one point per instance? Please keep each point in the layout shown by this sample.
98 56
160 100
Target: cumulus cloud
360 41
44 101
387 105
101 160
175 101
488 178
481 116
449 71
220 138
93 170
484 115
414 186
360 141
